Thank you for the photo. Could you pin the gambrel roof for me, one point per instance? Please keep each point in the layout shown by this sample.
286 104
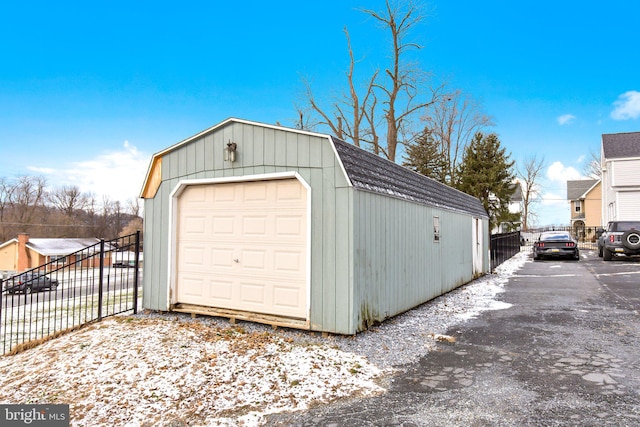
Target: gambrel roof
369 172
363 169
621 145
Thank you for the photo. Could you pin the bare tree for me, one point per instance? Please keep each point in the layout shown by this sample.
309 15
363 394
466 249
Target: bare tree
404 81
131 227
593 168
528 175
451 122
27 197
68 199
133 207
346 118
388 102
6 195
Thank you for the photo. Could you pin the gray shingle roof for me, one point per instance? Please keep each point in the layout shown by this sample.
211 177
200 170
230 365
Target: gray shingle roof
576 188
373 173
621 145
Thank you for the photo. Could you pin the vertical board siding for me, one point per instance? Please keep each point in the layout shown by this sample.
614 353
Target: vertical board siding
343 283
329 236
317 247
397 265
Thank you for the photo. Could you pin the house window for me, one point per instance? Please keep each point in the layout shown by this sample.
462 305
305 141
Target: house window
578 205
436 228
59 259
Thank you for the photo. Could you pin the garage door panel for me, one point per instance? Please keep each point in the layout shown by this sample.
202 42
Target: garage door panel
290 191
287 297
254 260
255 225
193 256
253 293
288 262
257 192
221 291
223 225
222 194
253 237
194 287
289 225
222 258
197 196
194 225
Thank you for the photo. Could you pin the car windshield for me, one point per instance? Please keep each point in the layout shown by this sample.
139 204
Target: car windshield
554 236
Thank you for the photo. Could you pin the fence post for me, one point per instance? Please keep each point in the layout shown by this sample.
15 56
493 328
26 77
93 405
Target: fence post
136 272
100 279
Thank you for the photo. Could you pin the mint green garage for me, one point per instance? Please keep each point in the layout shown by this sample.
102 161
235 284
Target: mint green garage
292 228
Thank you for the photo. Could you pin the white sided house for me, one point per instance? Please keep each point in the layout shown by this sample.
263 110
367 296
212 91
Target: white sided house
293 228
620 161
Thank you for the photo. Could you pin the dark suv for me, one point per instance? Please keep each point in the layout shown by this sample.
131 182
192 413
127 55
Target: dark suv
29 282
619 238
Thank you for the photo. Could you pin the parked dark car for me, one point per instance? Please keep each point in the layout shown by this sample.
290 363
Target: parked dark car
555 244
29 282
124 264
619 238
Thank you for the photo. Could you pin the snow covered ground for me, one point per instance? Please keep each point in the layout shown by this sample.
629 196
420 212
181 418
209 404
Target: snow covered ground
152 369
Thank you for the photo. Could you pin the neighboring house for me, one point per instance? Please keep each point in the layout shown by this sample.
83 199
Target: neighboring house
287 227
515 207
620 160
22 253
585 197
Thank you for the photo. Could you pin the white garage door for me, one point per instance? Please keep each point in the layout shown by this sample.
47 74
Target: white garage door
243 246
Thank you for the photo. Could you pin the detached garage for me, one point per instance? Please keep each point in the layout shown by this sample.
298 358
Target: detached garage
293 228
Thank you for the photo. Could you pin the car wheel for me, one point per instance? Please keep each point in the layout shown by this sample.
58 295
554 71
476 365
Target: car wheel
606 254
631 239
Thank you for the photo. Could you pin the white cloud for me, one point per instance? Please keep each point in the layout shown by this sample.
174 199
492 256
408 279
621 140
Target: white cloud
627 106
558 172
554 207
566 119
117 174
41 171
581 159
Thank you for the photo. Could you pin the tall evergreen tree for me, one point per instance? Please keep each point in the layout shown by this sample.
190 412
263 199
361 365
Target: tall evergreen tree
486 172
425 157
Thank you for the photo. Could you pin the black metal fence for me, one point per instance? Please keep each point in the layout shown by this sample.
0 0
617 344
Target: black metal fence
503 246
586 236
96 282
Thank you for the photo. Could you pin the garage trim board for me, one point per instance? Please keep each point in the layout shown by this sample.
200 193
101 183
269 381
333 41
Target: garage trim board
231 284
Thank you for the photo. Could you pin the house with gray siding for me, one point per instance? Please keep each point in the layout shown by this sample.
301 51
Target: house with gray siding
300 229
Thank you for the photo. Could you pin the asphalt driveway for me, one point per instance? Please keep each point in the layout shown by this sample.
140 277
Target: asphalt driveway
567 352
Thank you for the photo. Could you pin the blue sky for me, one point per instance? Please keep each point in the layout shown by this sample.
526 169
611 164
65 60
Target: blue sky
89 91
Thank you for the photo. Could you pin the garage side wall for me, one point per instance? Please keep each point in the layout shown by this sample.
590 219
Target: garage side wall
262 151
399 263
